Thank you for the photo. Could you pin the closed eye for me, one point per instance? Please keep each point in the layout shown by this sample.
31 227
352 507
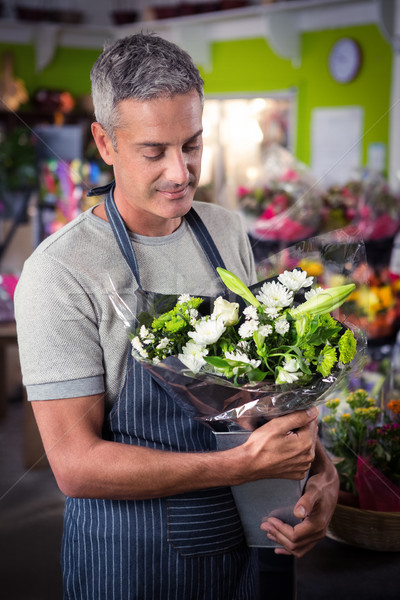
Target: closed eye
191 147
155 156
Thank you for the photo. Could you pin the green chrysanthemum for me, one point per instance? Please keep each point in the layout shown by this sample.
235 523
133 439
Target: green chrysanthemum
347 347
326 360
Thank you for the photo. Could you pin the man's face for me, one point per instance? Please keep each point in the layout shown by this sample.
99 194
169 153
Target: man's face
156 161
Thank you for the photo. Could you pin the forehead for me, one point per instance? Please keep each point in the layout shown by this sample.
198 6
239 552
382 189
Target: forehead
170 116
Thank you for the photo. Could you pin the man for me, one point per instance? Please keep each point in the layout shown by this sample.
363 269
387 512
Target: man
149 512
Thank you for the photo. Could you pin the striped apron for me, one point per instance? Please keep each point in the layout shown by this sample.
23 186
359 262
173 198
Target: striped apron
186 547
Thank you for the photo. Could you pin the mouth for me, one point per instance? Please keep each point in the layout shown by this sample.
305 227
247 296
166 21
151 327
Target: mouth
175 194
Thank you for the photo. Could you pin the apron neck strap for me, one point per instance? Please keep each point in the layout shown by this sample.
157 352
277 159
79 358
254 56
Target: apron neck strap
121 235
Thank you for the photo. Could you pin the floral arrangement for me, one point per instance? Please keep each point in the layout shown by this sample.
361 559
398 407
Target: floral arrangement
375 304
273 339
365 206
285 203
365 443
339 205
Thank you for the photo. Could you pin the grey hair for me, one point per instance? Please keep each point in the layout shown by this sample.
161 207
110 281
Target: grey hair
140 67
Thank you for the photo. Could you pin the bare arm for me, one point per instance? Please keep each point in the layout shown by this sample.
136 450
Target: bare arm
85 465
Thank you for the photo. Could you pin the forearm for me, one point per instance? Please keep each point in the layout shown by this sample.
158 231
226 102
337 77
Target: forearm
124 472
85 465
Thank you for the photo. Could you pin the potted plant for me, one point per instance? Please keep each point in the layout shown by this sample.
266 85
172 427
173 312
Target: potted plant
364 441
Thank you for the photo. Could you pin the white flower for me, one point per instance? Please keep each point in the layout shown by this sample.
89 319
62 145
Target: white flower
183 298
193 313
282 326
227 311
295 280
146 335
193 356
274 294
286 377
291 365
312 292
271 312
144 332
137 348
240 357
265 330
289 372
207 331
164 343
242 345
250 312
247 329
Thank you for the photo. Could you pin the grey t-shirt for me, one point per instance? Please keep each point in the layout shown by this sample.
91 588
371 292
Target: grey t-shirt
71 341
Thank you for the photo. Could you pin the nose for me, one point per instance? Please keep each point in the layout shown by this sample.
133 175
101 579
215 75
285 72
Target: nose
177 169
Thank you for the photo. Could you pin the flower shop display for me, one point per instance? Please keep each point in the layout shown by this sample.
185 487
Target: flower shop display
376 303
62 187
339 205
364 441
284 205
378 209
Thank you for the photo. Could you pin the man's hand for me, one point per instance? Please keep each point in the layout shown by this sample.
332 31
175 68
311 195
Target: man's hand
315 508
283 448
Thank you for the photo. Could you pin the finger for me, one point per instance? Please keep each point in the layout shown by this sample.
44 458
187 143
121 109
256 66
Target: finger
288 535
295 420
305 506
298 552
290 542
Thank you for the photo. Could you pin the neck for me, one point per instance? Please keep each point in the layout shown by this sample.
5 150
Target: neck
149 227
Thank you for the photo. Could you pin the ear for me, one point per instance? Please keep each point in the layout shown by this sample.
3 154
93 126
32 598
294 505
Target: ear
103 143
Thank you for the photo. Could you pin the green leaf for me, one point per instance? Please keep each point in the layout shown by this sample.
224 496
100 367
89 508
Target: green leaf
217 362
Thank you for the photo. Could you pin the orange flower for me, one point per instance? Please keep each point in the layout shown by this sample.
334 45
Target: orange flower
313 267
386 296
394 406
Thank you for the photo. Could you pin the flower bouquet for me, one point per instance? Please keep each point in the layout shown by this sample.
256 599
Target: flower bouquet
245 357
275 357
378 209
290 210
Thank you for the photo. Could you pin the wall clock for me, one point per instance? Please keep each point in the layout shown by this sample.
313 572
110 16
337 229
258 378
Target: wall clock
345 60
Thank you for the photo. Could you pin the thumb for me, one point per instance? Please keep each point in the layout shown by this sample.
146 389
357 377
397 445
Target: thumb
306 503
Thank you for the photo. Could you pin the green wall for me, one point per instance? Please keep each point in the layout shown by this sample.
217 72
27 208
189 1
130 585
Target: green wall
69 69
251 66
370 90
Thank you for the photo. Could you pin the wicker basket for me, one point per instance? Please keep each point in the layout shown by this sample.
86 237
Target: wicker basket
366 528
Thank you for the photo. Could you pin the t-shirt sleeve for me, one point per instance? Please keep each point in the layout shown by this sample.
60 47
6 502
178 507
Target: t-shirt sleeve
57 330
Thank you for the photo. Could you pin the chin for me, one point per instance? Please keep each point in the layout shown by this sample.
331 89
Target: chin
176 208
